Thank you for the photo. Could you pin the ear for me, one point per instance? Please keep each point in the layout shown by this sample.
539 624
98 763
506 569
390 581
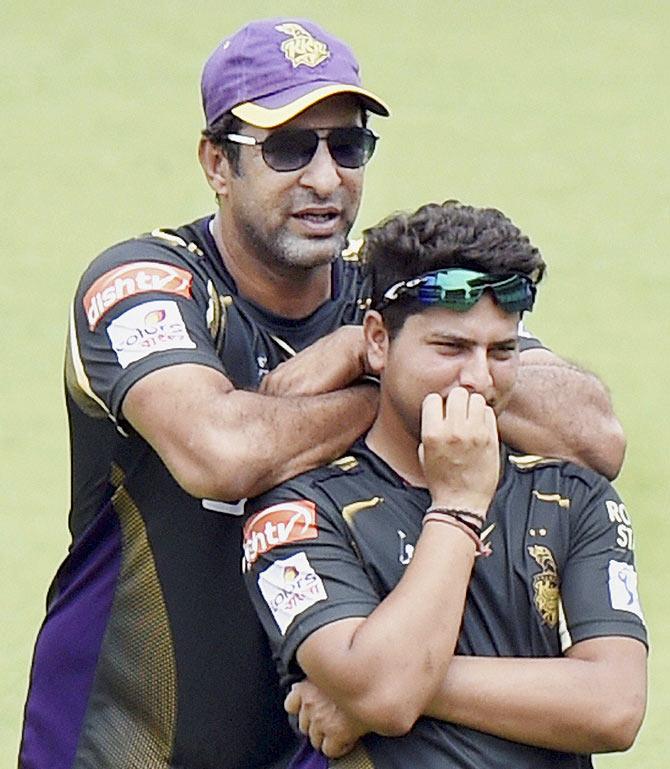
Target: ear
376 341
215 165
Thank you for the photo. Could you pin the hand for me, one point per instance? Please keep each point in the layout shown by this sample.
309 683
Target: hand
331 363
329 729
459 450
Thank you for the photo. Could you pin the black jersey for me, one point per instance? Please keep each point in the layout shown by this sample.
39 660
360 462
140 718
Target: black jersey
332 543
151 655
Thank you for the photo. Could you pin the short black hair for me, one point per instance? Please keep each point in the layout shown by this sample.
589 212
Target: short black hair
217 132
438 236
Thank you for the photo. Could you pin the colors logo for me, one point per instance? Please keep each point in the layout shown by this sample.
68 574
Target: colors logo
154 318
147 328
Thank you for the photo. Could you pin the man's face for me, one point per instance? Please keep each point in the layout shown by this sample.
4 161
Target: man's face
439 349
294 218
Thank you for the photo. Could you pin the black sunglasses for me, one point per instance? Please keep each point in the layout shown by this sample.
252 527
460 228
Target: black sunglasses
291 149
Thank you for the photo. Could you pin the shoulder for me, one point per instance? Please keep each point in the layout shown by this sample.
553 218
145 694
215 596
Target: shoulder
550 477
160 260
325 485
543 468
536 465
159 245
303 508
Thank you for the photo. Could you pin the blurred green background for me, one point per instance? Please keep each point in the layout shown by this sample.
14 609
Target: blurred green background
557 113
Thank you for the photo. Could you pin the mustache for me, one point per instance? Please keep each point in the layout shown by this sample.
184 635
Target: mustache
306 198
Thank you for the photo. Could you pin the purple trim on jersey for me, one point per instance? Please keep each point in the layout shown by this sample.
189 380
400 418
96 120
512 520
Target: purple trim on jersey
308 758
67 649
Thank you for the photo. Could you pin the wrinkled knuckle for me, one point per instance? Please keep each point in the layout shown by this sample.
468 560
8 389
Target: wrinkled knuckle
480 440
430 438
452 437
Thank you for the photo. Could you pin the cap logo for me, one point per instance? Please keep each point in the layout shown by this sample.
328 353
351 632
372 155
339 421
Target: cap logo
302 47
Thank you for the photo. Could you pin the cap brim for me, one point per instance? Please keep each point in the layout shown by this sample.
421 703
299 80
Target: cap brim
271 117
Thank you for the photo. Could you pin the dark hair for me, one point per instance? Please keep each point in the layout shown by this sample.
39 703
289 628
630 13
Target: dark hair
216 133
436 236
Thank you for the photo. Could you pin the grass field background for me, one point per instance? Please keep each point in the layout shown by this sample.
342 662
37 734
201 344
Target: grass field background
556 113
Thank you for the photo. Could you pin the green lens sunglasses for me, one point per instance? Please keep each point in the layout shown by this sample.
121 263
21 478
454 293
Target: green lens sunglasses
459 289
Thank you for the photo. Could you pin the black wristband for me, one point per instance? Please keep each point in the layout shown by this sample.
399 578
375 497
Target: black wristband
474 521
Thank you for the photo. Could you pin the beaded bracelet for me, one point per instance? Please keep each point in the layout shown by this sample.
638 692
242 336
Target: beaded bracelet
481 548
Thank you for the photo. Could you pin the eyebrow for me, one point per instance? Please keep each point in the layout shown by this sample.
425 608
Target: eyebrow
465 341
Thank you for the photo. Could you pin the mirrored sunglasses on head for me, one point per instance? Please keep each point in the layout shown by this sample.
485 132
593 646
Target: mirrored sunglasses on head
293 148
459 289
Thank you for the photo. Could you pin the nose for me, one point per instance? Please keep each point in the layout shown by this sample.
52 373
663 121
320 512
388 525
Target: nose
475 374
321 174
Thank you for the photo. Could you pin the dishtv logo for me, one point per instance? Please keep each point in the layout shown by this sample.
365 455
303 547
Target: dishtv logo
131 279
280 524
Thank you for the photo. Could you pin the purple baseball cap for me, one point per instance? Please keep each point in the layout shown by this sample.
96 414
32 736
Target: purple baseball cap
272 69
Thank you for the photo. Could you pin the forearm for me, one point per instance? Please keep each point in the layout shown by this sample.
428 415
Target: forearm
273 439
383 670
226 444
560 410
572 705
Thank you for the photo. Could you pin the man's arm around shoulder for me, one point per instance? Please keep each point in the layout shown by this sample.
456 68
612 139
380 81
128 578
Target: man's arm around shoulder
560 410
223 443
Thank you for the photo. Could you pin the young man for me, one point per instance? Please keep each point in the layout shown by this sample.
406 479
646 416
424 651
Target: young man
364 572
150 654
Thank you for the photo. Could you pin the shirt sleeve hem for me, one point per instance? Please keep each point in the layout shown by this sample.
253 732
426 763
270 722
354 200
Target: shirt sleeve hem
604 630
300 631
141 369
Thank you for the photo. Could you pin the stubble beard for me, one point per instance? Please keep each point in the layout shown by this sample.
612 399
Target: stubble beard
286 251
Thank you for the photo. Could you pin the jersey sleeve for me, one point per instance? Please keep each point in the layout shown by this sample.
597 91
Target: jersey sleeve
139 307
599 589
302 570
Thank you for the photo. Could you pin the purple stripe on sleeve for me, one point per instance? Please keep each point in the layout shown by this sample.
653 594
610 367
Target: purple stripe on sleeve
308 758
67 648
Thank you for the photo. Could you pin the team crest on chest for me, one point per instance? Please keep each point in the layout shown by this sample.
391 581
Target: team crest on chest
302 47
546 584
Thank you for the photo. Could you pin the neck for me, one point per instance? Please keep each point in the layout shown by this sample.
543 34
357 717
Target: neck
391 440
291 292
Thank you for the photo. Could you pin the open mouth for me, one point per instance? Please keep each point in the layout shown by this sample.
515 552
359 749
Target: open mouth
317 217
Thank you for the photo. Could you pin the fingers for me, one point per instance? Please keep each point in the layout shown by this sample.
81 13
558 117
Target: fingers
324 724
491 423
432 410
316 736
465 409
334 748
456 412
459 449
282 381
459 415
477 409
293 700
305 721
329 364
